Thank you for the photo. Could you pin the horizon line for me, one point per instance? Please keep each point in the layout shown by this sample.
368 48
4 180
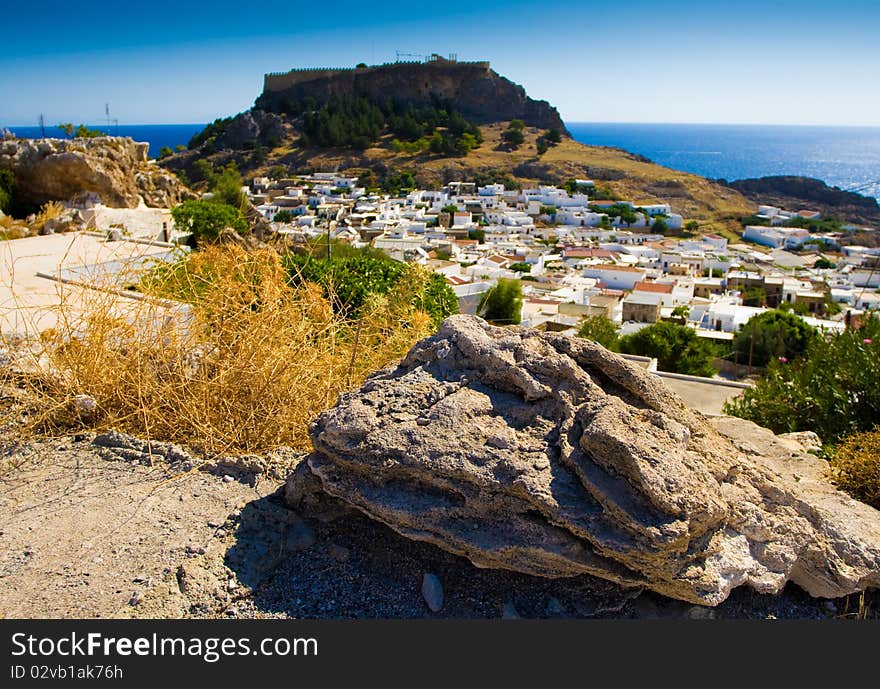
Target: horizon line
566 122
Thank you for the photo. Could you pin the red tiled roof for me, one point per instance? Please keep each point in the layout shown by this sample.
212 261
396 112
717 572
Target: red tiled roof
586 252
652 287
609 266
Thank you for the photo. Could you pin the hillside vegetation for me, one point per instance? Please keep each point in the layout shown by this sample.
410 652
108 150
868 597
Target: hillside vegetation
625 175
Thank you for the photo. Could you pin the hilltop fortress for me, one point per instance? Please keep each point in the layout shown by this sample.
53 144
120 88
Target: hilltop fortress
476 90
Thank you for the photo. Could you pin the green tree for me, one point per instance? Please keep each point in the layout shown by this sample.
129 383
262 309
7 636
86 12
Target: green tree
754 296
206 219
226 185
502 304
165 151
770 336
681 311
284 216
677 348
520 267
832 389
67 128
659 226
83 132
478 234
692 226
600 329
823 263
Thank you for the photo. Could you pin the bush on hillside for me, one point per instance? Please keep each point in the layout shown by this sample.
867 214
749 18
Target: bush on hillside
243 367
831 389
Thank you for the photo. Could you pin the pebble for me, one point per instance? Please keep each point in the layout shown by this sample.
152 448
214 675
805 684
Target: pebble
135 598
432 592
509 612
227 478
555 608
698 612
299 536
339 553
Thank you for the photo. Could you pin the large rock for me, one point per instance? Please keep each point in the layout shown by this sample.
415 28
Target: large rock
114 168
551 456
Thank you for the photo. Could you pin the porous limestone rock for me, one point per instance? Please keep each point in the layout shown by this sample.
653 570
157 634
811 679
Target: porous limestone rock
552 456
115 168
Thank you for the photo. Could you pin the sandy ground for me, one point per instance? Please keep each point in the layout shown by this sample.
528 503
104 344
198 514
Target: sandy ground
84 536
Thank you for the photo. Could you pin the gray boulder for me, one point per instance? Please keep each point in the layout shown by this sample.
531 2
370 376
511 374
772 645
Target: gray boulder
552 456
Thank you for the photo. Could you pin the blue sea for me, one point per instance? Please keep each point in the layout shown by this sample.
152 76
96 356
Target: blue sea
845 157
158 135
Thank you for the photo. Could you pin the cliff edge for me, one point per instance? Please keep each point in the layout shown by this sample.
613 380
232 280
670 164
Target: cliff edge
479 93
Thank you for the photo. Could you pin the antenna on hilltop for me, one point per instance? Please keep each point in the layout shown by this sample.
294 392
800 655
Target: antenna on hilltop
42 126
107 113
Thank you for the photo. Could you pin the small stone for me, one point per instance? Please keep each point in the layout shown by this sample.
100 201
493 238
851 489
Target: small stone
299 536
509 612
135 598
339 553
432 592
555 608
227 478
698 612
213 524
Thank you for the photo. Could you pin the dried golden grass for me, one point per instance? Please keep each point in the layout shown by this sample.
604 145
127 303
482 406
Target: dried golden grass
244 366
49 211
855 467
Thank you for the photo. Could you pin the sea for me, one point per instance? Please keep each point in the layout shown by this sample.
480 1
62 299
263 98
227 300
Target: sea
845 157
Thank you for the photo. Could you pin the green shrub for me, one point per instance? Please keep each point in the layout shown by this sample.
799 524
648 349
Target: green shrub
831 389
677 348
349 279
206 219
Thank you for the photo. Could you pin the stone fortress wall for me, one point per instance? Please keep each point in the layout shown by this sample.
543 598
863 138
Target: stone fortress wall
280 81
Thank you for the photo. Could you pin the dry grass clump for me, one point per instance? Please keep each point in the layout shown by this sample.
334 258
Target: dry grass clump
243 366
855 467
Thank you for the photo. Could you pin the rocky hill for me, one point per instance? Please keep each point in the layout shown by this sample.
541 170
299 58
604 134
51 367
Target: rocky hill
794 193
117 169
477 91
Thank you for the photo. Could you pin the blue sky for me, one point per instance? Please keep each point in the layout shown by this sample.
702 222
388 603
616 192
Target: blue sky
748 61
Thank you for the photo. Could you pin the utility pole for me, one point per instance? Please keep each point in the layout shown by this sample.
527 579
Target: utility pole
107 113
42 126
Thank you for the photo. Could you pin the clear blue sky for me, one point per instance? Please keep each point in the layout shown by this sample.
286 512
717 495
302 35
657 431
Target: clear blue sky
740 61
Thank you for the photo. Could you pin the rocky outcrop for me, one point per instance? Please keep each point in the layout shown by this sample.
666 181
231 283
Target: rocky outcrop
476 91
114 168
796 193
551 456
